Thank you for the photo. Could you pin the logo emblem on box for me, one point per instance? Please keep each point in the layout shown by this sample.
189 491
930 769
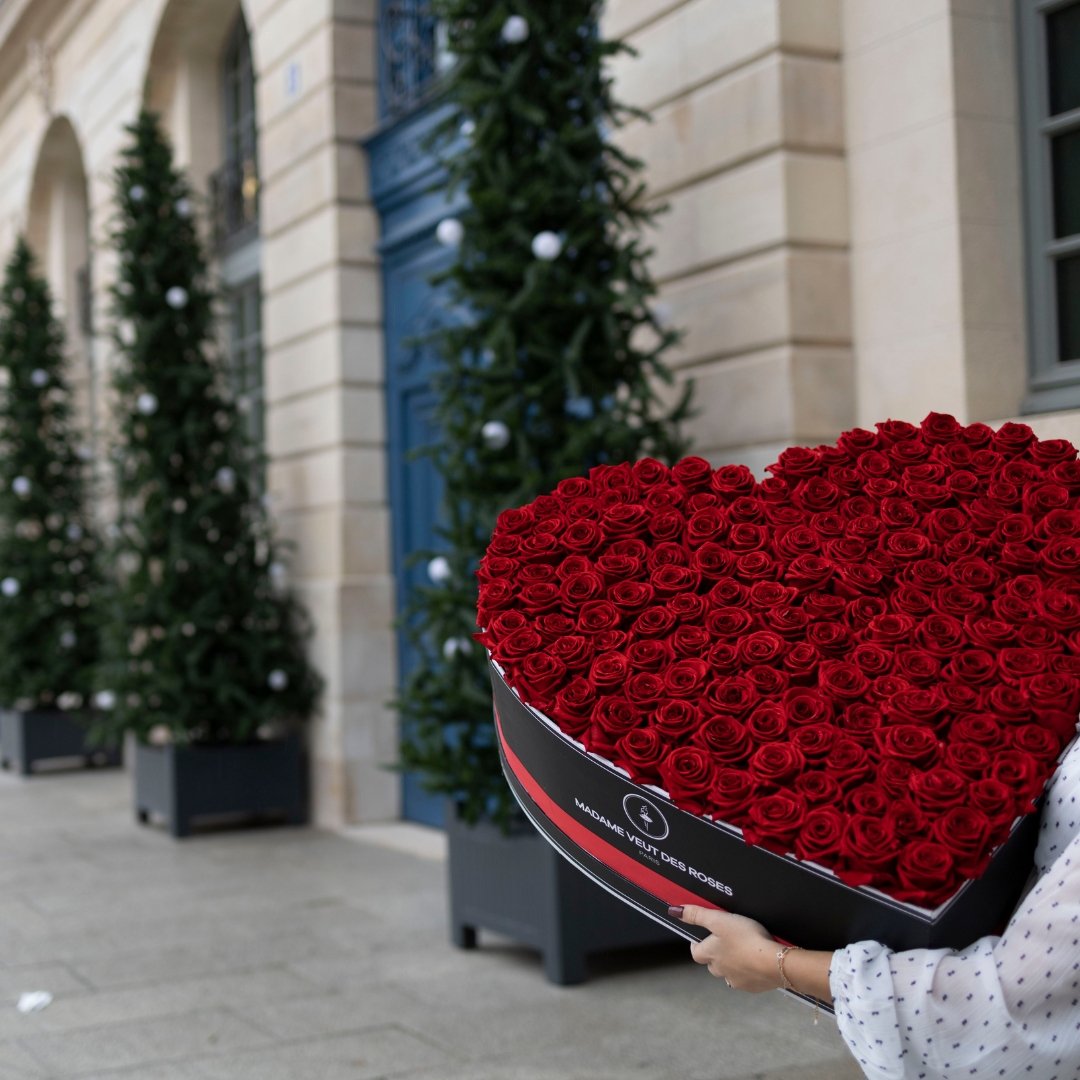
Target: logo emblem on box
645 817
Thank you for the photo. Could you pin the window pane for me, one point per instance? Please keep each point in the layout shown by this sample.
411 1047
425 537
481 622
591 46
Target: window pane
1066 157
1063 59
1068 303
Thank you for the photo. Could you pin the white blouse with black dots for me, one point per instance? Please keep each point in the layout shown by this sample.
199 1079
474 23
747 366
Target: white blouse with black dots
1004 1007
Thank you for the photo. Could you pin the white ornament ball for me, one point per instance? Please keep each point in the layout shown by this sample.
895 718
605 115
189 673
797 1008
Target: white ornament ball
515 30
176 297
439 570
105 699
137 193
126 332
39 376
547 246
277 679
450 232
495 434
277 571
68 639
225 478
74 532
147 403
188 629
21 486
10 587
183 207
468 127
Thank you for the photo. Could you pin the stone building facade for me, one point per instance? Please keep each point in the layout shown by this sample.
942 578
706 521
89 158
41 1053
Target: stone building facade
872 214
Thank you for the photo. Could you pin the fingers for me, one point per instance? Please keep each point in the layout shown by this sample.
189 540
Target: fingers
697 916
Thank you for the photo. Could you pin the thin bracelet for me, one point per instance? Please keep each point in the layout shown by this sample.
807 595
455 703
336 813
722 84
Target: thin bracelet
787 982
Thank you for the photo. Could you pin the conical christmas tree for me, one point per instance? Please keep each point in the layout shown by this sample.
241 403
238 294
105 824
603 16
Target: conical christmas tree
201 639
555 366
49 582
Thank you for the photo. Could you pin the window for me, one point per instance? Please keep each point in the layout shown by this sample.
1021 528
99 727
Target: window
1049 37
235 186
409 58
245 355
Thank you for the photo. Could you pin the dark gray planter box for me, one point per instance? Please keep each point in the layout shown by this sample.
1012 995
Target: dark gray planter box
518 885
185 783
41 735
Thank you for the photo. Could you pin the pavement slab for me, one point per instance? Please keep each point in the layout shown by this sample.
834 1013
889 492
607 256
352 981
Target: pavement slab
299 954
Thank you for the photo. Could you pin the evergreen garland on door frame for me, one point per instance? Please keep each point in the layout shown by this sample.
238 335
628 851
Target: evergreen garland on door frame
49 570
554 368
201 637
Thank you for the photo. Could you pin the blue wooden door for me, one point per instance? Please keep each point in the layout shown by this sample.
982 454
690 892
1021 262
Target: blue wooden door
406 187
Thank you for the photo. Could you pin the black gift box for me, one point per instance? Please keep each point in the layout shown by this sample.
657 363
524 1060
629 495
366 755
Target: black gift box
637 844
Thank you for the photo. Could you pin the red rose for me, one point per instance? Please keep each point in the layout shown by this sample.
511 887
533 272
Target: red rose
668 581
860 722
767 681
654 622
583 537
598 616
689 642
843 681
910 602
507 623
756 566
645 689
693 473
889 629
965 833
775 820
609 672
767 723
649 655
1016 665
667 526
906 819
1038 742
1061 556
806 705
688 608
612 718
725 738
996 800
614 568
1051 452
983 730
578 590
552 626
918 666
687 775
732 795
713 562
967 759
497 566
869 799
894 776
686 678
1021 774
723 658
731 697
649 472
819 789
631 598
676 721
789 622
762 647
819 838
830 639
541 676
815 741
573 707
575 487
909 742
990 634
729 482
801 662
796 463
926 872
576 509
848 763
867 851
573 650
940 635
513 650
937 790
777 764
1012 439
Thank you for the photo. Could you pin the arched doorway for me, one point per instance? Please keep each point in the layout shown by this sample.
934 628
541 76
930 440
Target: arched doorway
58 230
406 188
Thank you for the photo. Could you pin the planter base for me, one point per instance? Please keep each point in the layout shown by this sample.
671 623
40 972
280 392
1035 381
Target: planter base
518 885
29 737
185 783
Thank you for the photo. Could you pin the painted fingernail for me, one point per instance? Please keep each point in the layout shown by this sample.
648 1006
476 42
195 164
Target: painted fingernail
675 911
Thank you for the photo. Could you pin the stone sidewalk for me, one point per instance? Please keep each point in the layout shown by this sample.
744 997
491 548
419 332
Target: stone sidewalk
285 954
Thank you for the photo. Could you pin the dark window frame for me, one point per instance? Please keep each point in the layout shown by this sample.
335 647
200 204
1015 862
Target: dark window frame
245 351
1053 384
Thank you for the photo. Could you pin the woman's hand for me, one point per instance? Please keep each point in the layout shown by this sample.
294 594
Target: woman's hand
738 949
743 953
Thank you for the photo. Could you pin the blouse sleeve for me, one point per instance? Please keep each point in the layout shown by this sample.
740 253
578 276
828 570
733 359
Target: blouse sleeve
1004 1006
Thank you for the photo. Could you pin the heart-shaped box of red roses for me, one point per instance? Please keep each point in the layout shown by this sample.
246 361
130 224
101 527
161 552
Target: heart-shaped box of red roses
830 700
